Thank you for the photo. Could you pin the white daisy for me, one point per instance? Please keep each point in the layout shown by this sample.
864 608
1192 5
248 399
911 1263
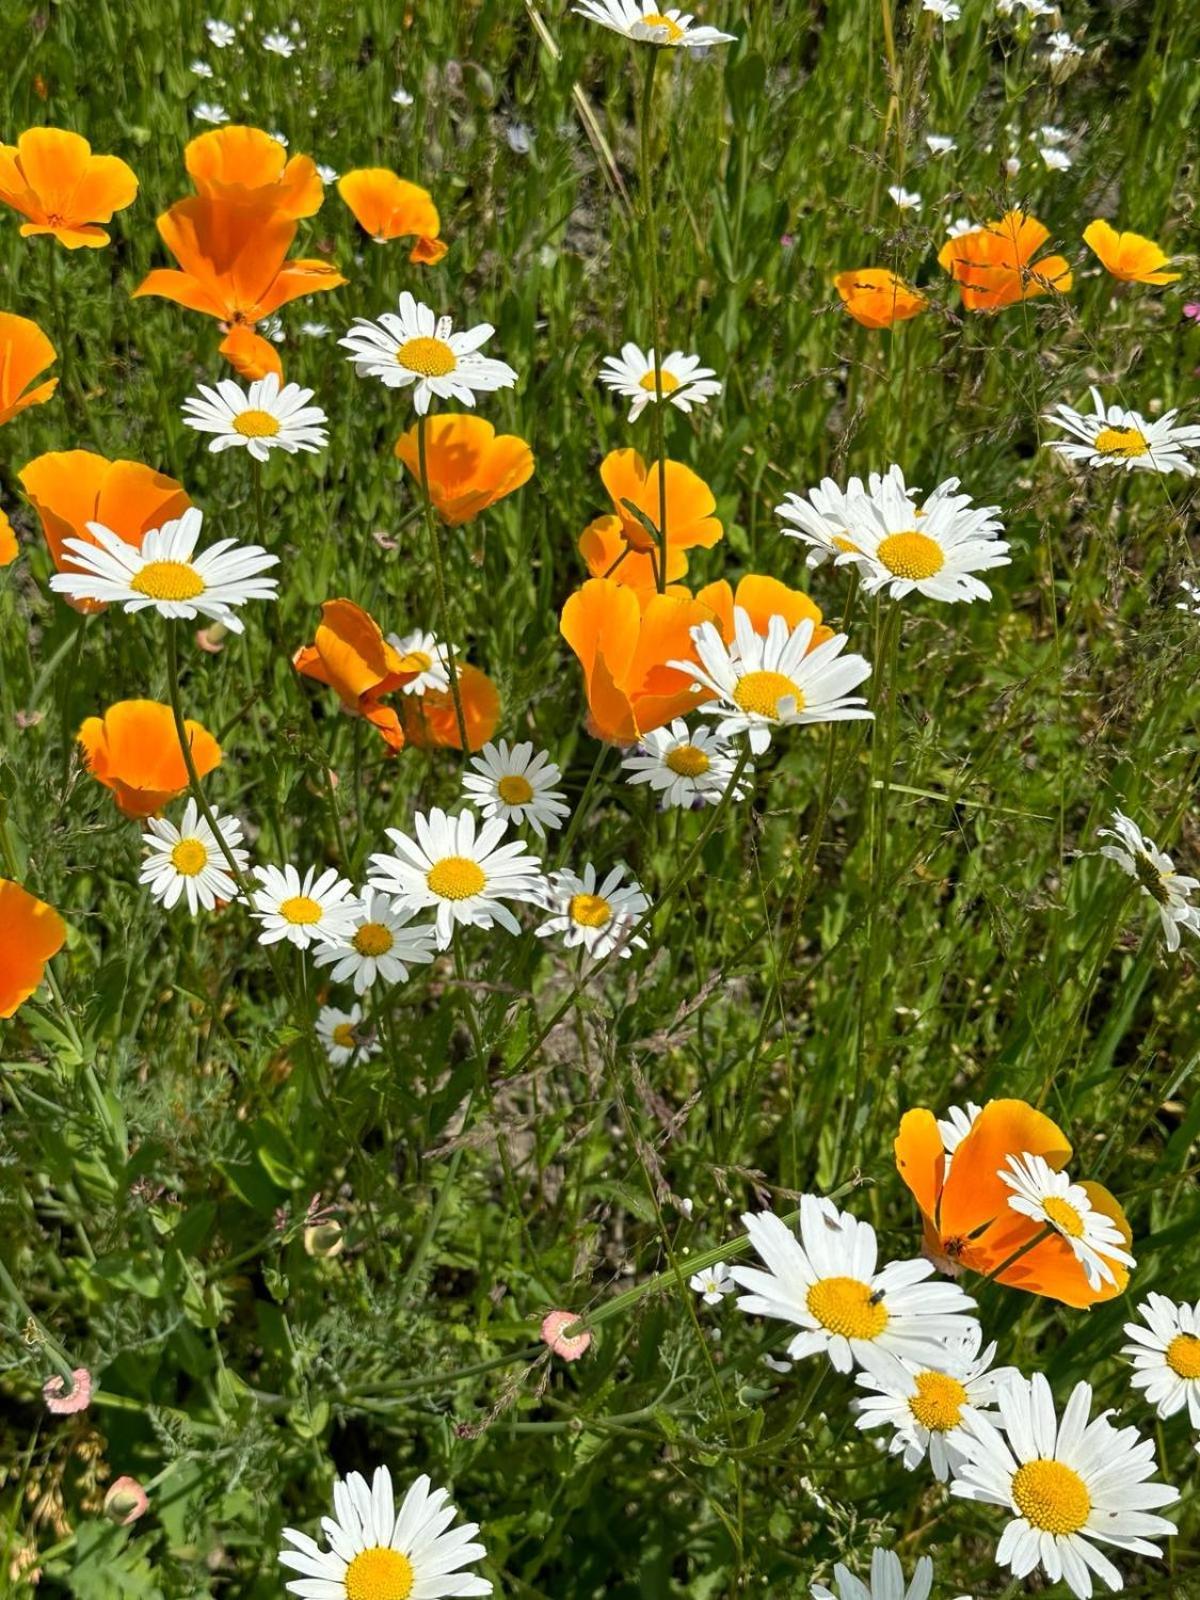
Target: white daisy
1051 1198
220 34
641 21
327 174
401 96
210 111
959 226
906 199
822 517
683 381
166 573
378 1553
826 1283
1055 160
934 548
940 144
265 419
341 1037
713 1284
1166 1355
1113 436
383 945
887 1581
279 44
686 768
510 782
415 347
777 681
423 654
955 1126
464 877
201 69
600 916
188 859
1067 1484
315 909
1154 871
947 10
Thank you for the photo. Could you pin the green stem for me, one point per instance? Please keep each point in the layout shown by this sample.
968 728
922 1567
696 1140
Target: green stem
650 252
439 580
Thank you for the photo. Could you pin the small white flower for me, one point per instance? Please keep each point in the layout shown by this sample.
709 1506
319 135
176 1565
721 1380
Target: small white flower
713 1284
959 226
940 144
1050 1198
315 330
887 1580
518 138
906 199
946 9
1166 1355
188 859
1012 165
510 782
316 909
401 96
264 419
201 69
935 548
220 34
1055 160
1052 135
327 174
209 111
421 653
600 916
415 347
686 768
341 1037
279 44
1113 436
280 138
681 378
641 21
1062 48
955 1126
1154 872
1191 598
384 944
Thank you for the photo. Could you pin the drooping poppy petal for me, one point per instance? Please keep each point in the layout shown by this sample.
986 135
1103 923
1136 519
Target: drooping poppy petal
249 354
25 351
435 721
30 933
387 206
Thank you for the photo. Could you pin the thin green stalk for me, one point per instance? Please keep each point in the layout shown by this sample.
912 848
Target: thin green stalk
439 581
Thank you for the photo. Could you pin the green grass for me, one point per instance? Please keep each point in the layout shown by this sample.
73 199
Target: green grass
909 913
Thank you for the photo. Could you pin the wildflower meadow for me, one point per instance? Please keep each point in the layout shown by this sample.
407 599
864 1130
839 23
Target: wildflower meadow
599 858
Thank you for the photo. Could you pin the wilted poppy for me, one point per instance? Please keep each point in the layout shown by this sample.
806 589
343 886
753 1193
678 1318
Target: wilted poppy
1129 256
52 177
431 720
389 207
877 298
994 266
30 933
608 554
690 504
468 465
350 654
762 598
25 351
133 749
248 167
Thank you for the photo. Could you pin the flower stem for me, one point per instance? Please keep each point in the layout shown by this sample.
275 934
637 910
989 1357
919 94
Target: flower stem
650 252
439 581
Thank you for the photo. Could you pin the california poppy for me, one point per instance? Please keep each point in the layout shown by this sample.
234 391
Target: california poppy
8 541
433 722
248 167
469 466
30 933
52 177
608 554
994 266
133 749
877 298
1129 256
690 504
762 598
389 207
25 351
350 654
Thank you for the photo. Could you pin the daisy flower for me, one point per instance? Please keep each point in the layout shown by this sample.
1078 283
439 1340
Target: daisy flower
947 10
382 945
1055 160
201 69
906 199
510 782
210 111
600 916
940 144
935 548
377 1553
1068 1483
340 1038
887 1581
188 859
822 517
1166 1355
220 34
713 1284
826 1283
415 347
166 573
1141 859
1063 48
313 910
776 681
955 1126
640 21
684 382
423 654
279 44
686 768
1051 1198
401 96
265 419
1113 436
463 876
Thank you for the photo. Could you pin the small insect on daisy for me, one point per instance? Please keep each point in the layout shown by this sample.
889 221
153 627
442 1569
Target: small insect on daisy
413 347
821 518
426 658
1068 1484
1166 1355
264 418
342 1037
887 1581
638 20
1049 1197
1154 872
511 783
686 768
776 681
319 908
188 859
713 1284
383 945
378 1553
599 915
1114 436
935 548
166 573
680 379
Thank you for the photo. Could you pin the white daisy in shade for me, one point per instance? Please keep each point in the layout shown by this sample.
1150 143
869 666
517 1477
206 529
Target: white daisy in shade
887 1581
639 20
955 1126
342 1037
713 1284
1051 1198
686 768
378 1553
264 419
821 518
681 379
1114 436
514 784
947 10
319 908
826 1283
188 859
1166 1355
384 945
422 654
464 876
777 681
934 548
1154 872
599 914
1068 1484
415 347
166 573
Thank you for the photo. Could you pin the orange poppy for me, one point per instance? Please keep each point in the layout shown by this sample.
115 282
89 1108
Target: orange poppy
877 298
8 541
133 749
350 654
762 598
52 177
1129 256
469 465
30 933
24 352
608 554
389 207
247 166
690 504
994 266
623 638
968 1220
434 723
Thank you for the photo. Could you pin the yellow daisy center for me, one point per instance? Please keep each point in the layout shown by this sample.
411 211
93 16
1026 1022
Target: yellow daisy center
189 857
1183 1355
373 939
515 790
589 910
1120 442
344 1035
432 358
1151 879
415 661
759 693
668 380
1064 1216
938 1402
455 878
686 761
300 910
256 425
911 555
168 580
847 1306
674 33
1051 1496
379 1574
